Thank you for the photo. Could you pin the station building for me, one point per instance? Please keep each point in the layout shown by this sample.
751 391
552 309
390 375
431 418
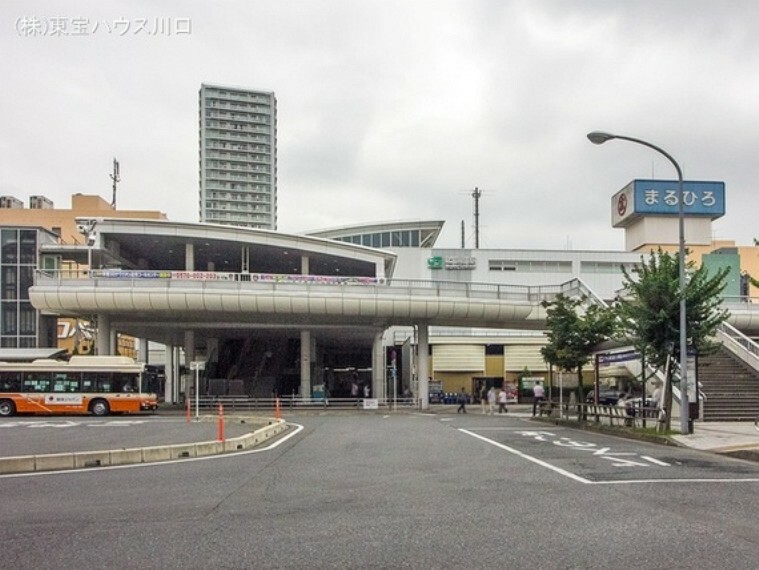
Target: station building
378 304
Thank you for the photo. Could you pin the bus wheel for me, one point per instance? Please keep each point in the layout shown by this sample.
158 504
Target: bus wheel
7 408
99 408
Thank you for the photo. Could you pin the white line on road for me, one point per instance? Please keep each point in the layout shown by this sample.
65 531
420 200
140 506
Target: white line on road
656 461
529 458
638 481
619 482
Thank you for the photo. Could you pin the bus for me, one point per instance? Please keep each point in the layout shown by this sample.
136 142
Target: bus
97 385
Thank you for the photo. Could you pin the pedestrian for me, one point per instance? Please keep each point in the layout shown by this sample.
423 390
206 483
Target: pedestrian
462 401
656 397
484 399
367 390
538 395
491 400
502 399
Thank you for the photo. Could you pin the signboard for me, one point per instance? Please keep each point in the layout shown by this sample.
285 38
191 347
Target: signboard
662 198
63 400
609 358
371 404
452 262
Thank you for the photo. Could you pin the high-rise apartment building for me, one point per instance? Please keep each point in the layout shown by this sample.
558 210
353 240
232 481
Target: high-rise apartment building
238 157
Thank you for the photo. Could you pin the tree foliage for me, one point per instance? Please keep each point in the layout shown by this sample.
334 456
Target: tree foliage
650 310
573 332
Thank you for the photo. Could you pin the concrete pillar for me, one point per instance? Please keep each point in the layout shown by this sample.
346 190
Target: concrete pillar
113 342
379 384
423 365
245 259
103 345
305 264
144 350
170 373
189 356
189 257
379 270
305 364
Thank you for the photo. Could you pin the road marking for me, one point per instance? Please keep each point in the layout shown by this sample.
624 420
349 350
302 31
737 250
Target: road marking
639 481
618 482
518 453
652 460
274 445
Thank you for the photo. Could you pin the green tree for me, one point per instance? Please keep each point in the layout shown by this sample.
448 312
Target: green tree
573 331
650 312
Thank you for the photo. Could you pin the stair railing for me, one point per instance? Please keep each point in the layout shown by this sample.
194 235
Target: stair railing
739 344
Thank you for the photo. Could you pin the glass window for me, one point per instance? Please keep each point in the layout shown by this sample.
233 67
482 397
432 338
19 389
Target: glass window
26 280
36 382
396 239
10 381
385 239
29 247
27 342
10 318
125 382
415 238
27 319
9 241
9 282
97 382
366 239
66 381
376 240
405 238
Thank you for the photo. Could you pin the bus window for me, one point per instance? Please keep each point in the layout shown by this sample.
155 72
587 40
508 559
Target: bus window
36 382
125 382
10 381
66 381
97 382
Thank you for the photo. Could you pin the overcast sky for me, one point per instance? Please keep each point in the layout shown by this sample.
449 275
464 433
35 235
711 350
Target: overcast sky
393 110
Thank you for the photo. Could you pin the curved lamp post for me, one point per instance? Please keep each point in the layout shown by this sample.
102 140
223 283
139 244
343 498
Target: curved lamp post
599 137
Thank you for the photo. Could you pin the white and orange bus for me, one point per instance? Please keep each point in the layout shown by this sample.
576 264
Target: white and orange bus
97 385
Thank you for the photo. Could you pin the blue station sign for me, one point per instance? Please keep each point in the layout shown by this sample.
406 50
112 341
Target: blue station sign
662 198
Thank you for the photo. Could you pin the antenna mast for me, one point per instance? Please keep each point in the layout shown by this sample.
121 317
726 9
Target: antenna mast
116 178
476 195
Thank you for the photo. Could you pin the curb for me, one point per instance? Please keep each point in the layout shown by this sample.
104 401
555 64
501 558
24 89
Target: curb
154 454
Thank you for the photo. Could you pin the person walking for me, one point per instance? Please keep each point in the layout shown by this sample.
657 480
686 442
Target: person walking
502 399
491 400
484 399
538 395
462 401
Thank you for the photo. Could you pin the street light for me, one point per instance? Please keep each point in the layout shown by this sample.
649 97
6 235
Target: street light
599 137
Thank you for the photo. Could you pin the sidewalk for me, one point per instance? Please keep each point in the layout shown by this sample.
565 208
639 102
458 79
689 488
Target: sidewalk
721 437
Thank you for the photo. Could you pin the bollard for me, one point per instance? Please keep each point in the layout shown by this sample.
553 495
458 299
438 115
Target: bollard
187 401
277 410
220 433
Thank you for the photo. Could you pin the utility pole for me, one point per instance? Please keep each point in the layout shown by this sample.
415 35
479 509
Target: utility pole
463 242
476 195
116 178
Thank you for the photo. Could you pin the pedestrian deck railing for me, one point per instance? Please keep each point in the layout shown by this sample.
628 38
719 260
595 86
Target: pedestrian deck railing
233 404
210 280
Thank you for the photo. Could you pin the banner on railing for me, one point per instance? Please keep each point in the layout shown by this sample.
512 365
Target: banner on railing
222 276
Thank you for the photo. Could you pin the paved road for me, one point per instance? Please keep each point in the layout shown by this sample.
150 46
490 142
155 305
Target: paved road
408 491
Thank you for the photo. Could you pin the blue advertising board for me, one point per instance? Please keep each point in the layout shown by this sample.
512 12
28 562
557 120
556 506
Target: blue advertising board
662 198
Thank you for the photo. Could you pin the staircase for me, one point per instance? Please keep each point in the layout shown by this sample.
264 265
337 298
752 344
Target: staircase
731 388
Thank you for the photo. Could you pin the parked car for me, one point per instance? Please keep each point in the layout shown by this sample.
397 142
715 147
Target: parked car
605 397
436 396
